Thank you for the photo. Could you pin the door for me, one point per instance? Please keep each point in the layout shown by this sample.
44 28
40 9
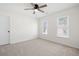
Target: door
4 30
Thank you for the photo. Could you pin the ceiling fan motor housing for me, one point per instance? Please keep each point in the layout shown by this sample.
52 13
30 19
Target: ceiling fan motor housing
36 6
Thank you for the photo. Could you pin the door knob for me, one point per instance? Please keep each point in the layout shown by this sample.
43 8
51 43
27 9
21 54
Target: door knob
8 31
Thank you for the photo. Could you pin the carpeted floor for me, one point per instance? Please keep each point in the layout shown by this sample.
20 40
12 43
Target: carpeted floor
37 47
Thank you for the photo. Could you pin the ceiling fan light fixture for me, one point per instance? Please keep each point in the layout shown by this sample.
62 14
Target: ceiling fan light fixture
36 10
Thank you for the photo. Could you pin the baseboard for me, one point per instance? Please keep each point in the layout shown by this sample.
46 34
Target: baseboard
60 44
22 41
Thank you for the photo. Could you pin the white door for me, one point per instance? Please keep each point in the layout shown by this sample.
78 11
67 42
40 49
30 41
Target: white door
4 30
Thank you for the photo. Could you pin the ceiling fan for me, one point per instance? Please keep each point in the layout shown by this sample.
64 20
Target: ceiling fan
36 7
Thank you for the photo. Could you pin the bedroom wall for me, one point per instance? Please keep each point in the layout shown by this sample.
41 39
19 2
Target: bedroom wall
73 40
22 28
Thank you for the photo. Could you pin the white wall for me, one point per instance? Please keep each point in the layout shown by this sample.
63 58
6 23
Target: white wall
22 28
73 14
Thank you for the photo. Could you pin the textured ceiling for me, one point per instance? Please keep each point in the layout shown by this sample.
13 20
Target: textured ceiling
51 8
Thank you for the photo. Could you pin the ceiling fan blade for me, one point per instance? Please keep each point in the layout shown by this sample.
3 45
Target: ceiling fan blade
29 9
40 10
33 12
43 6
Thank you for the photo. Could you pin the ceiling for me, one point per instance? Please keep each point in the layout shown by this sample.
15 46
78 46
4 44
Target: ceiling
51 8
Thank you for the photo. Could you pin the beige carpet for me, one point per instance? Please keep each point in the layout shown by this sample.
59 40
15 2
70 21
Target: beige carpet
37 47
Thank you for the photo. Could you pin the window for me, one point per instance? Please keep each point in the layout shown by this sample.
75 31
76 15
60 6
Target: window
63 27
45 26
